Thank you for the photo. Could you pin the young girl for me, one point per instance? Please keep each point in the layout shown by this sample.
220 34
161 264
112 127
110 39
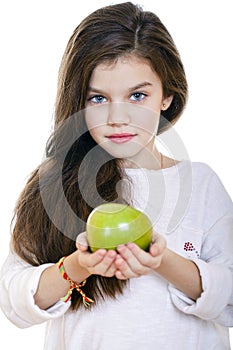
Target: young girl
121 83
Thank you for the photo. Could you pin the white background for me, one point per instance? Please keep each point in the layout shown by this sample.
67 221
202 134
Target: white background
33 37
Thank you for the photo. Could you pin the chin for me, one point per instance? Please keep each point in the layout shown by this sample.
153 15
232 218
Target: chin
122 152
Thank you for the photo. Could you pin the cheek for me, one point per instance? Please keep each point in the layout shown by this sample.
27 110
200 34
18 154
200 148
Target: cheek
145 119
96 117
96 133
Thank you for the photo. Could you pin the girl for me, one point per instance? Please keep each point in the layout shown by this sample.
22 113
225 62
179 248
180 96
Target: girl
121 83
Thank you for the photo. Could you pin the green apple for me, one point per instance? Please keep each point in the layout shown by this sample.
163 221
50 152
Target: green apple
111 224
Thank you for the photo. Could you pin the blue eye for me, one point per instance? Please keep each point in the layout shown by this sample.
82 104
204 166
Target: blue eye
137 96
97 99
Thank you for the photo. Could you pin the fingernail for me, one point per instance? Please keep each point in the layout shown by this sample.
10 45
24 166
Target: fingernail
82 244
101 252
130 245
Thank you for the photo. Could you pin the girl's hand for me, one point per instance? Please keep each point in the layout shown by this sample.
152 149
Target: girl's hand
101 262
132 261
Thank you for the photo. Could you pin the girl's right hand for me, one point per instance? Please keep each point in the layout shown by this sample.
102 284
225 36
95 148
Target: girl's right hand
101 262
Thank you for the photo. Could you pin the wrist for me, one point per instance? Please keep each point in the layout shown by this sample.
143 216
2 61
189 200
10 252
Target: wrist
74 270
166 256
165 260
73 285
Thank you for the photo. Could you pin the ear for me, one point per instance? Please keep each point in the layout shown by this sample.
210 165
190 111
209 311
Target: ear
166 102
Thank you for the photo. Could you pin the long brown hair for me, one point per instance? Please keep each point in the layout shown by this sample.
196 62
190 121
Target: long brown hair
58 197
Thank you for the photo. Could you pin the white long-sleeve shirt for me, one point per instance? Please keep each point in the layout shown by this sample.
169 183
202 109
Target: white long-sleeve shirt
188 204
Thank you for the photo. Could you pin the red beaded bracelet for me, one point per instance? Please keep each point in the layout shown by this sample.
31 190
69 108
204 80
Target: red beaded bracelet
73 285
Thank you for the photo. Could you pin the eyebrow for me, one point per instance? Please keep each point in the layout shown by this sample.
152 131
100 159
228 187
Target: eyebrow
133 88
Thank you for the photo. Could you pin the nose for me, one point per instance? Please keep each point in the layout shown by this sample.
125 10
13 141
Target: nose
118 113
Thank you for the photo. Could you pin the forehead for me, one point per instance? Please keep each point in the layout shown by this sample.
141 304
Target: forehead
127 69
125 59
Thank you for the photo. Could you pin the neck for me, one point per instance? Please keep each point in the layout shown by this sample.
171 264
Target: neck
149 160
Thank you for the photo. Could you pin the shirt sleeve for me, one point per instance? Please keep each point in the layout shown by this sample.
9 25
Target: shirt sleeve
18 284
215 263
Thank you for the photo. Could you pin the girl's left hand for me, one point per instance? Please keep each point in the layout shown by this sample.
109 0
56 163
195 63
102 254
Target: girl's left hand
132 261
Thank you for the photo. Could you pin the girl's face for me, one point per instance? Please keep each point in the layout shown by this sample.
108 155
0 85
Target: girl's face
123 108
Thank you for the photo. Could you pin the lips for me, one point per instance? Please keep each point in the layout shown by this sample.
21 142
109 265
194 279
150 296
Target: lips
121 138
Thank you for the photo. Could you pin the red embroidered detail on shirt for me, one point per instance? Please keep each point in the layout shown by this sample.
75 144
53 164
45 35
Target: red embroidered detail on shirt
189 247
